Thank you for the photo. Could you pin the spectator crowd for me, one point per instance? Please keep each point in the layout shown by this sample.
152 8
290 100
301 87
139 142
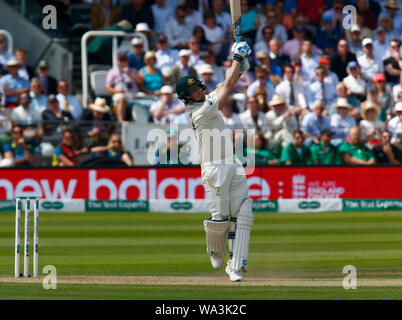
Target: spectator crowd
319 91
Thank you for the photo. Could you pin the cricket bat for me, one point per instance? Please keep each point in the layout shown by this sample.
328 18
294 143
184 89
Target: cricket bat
235 12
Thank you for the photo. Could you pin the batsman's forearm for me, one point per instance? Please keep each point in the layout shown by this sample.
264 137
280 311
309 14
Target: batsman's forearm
233 75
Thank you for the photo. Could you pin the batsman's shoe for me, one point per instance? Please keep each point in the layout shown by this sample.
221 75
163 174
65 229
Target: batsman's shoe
233 275
216 262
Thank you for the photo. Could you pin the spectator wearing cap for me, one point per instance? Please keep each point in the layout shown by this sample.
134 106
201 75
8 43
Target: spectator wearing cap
292 92
4 54
395 126
53 119
365 32
209 58
277 60
354 151
271 19
100 122
354 81
393 64
355 43
282 121
206 73
267 35
13 84
19 151
25 71
177 30
137 11
231 119
341 121
384 97
104 14
182 68
387 153
370 126
253 118
143 28
341 58
213 33
261 82
343 92
324 153
151 79
67 101
309 59
166 109
136 54
321 90
327 37
122 83
396 89
49 84
38 99
314 122
330 76
66 154
166 57
368 63
381 46
296 153
163 11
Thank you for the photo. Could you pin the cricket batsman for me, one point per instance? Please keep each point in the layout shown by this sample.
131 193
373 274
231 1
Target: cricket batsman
223 176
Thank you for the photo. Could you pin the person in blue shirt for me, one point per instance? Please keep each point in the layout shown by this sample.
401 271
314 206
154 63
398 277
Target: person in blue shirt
18 150
314 122
136 55
13 84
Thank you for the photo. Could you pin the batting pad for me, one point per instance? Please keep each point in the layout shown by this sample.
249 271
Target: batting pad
216 234
245 221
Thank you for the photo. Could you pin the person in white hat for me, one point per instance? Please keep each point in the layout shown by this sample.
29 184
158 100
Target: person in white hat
182 68
370 126
136 54
207 72
341 121
395 126
355 43
13 84
166 109
369 64
143 28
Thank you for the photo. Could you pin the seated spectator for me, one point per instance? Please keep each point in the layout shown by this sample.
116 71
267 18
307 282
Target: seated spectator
300 75
261 97
395 126
143 28
393 64
263 45
252 118
341 58
163 11
207 72
371 128
330 76
136 54
223 18
261 82
166 58
38 99
292 91
341 121
354 151
49 84
365 32
65 154
296 153
209 58
313 123
172 153
177 30
387 153
25 71
68 102
199 33
4 54
182 68
249 21
291 47
354 81
282 121
276 58
309 59
166 109
24 114
137 11
327 38
53 120
214 34
231 119
18 150
13 84
104 14
396 89
257 148
122 83
321 90
194 45
194 13
324 152
151 80
264 62
384 97
343 92
355 43
114 149
100 122
381 45
368 63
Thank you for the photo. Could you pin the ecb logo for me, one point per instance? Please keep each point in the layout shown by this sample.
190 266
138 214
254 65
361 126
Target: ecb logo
50 20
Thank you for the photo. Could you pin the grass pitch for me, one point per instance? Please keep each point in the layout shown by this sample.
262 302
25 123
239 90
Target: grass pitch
292 256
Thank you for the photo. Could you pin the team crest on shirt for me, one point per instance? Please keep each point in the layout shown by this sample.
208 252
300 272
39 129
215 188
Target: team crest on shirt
190 81
210 103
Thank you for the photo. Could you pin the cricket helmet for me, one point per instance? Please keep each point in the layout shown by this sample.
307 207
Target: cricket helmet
185 85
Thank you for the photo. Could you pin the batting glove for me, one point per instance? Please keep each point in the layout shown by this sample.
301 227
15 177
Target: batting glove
240 50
